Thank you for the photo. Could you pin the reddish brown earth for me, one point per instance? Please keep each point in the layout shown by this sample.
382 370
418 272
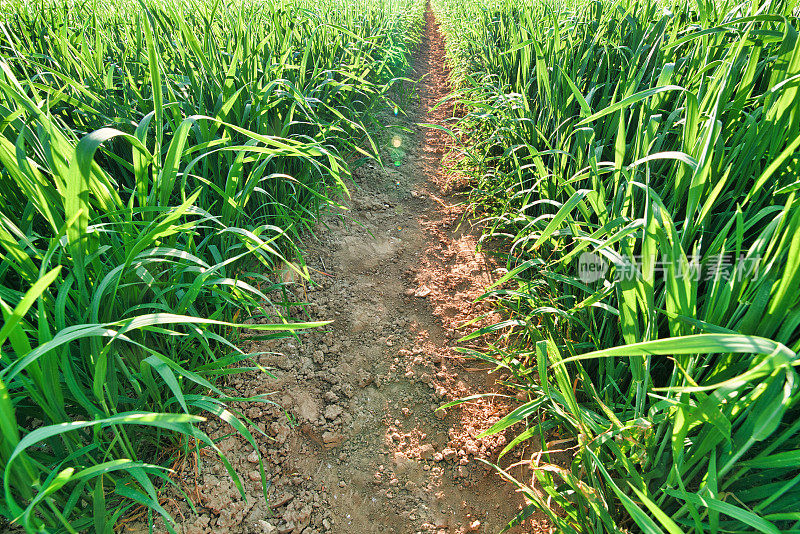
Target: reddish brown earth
356 445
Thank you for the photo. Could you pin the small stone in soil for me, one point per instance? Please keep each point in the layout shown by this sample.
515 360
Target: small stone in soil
422 291
332 412
283 499
331 439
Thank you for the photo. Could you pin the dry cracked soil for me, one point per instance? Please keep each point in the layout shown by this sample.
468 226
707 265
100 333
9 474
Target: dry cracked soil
356 443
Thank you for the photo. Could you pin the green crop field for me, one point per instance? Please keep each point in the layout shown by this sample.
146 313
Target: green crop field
636 165
151 153
661 138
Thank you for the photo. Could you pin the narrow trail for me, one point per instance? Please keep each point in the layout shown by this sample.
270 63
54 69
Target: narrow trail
364 451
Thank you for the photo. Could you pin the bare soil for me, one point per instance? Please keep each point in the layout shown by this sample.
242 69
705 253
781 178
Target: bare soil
357 446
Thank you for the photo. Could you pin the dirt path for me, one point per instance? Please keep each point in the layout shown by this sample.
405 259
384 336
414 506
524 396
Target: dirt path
363 450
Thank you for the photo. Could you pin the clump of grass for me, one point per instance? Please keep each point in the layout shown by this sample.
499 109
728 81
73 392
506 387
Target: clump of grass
663 139
150 152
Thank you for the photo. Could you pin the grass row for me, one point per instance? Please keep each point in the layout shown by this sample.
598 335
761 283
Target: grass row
660 140
156 160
